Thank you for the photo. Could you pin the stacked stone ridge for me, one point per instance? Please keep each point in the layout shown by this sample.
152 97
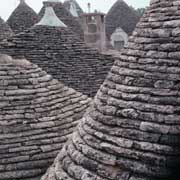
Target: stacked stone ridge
65 16
67 4
121 16
5 30
60 53
132 131
22 18
37 116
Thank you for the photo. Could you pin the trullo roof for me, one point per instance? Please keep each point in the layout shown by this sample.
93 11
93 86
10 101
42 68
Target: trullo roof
132 131
60 53
37 116
121 16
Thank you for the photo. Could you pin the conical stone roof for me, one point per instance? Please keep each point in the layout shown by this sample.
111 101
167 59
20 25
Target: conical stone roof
132 131
68 3
65 16
121 16
61 54
22 18
5 30
37 116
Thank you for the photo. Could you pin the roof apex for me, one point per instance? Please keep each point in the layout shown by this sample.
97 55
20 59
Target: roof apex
22 1
50 19
52 1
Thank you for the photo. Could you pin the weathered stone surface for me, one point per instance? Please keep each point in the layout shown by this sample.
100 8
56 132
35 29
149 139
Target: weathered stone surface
22 18
5 30
36 119
132 130
60 53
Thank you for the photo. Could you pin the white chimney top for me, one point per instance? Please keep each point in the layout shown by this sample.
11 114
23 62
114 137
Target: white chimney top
50 19
73 9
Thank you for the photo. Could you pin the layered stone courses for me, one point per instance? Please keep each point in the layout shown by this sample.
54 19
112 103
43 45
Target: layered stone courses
60 53
5 30
65 16
132 130
37 116
121 16
22 18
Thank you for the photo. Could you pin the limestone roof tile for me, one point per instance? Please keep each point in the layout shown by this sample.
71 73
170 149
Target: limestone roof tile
37 116
132 130
63 55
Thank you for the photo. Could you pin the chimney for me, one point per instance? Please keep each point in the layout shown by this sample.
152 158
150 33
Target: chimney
89 7
94 30
50 19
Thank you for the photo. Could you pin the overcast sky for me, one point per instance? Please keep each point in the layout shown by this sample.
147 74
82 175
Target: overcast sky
7 6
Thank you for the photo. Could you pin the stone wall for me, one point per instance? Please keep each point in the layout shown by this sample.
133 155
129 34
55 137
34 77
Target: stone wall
119 39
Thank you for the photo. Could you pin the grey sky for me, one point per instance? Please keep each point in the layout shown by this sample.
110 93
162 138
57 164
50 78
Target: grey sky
8 6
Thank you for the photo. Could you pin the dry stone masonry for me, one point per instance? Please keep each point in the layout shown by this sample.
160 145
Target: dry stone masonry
65 16
37 116
132 131
121 16
60 53
5 30
22 18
